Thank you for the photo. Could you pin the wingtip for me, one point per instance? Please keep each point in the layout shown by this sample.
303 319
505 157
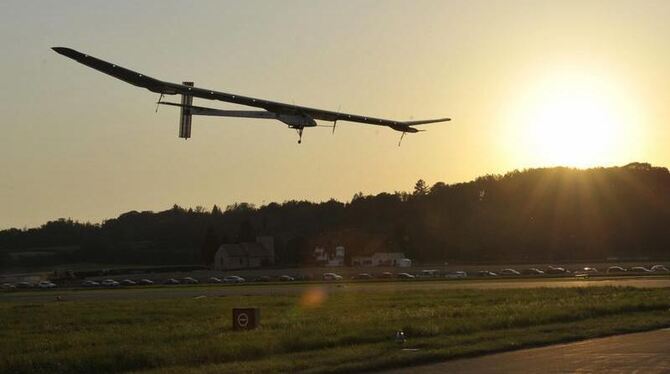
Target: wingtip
67 52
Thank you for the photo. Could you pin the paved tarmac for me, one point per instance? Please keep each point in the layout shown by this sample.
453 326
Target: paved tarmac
646 352
188 291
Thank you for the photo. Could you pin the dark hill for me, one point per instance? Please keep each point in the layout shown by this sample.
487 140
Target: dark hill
550 214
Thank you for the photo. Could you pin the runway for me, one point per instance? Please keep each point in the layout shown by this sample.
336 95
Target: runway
646 352
191 291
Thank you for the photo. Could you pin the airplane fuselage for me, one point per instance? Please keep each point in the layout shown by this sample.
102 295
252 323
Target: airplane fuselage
297 121
402 128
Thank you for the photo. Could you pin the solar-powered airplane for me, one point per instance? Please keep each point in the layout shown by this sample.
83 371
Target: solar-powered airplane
295 116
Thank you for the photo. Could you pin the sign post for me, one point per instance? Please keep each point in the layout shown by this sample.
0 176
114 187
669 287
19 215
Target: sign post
246 318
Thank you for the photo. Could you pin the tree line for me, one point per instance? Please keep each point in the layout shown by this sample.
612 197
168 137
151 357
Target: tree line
535 215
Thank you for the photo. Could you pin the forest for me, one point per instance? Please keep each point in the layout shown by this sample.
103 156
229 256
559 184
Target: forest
536 215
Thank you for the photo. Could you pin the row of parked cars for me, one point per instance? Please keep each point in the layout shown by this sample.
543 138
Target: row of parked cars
558 270
550 270
232 279
580 272
112 283
41 284
639 269
169 281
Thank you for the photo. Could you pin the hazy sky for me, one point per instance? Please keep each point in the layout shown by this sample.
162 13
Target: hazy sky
527 83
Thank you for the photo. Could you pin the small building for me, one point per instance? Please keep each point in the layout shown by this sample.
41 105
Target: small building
328 258
362 261
320 255
245 255
338 259
404 263
383 259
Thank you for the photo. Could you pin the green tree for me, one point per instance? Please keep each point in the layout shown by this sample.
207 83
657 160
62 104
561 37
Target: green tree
209 247
420 188
246 233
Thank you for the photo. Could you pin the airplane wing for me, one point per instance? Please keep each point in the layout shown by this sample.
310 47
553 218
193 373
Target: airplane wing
169 88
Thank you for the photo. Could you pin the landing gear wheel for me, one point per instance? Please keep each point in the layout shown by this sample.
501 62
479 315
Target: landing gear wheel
299 135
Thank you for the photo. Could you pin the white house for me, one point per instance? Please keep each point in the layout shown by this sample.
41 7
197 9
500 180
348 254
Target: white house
338 260
322 256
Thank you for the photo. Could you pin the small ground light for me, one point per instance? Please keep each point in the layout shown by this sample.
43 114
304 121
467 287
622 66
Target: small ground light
400 337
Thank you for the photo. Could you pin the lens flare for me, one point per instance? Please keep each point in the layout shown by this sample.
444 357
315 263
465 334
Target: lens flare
313 297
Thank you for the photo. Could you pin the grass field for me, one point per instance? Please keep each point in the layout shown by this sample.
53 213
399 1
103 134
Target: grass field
315 332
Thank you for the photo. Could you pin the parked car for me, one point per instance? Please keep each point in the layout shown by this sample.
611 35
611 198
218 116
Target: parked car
456 275
145 282
639 269
532 271
430 273
189 280
659 269
128 282
508 271
556 270
46 284
486 273
171 281
8 286
286 278
233 279
332 277
262 278
405 276
109 283
585 272
215 280
615 269
386 274
362 276
24 285
90 283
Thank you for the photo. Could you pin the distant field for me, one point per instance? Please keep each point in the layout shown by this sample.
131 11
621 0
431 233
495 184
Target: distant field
315 332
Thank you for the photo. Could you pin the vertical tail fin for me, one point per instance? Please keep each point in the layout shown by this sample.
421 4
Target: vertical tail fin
185 115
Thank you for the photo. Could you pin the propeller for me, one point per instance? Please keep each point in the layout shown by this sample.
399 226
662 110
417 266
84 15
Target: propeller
159 102
335 122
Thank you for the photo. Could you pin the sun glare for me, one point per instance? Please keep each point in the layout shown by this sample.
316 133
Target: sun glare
576 120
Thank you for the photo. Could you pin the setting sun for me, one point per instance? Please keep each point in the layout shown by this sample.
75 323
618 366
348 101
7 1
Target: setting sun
575 119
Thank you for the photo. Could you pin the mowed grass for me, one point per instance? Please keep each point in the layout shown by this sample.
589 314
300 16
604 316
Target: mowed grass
344 332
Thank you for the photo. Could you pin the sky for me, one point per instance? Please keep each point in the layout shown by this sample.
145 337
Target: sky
527 84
